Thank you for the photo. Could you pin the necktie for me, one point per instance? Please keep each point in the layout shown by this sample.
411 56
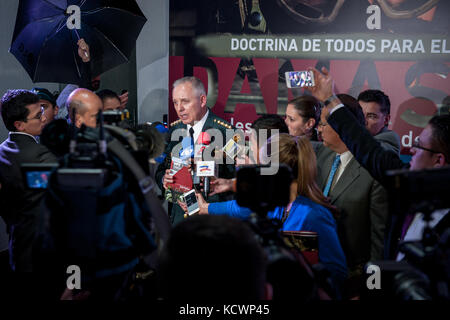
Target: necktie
191 133
336 163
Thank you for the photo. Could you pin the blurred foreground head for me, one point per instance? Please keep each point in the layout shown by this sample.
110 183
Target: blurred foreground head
212 258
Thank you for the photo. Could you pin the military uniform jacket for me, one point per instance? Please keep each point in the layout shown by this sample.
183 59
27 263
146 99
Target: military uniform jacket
225 171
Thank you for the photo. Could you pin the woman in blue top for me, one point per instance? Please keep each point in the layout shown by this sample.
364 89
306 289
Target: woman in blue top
308 210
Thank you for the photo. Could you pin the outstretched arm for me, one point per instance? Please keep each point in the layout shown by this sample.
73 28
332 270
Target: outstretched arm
365 148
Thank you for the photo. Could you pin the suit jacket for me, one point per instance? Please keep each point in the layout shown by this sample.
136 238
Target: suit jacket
225 171
367 150
20 206
363 205
375 159
389 140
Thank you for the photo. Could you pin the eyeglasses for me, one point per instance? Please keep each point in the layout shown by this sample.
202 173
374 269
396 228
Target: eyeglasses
38 115
373 116
418 146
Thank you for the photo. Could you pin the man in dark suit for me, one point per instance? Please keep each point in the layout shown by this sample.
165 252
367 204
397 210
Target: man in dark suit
432 150
377 111
24 118
189 99
362 201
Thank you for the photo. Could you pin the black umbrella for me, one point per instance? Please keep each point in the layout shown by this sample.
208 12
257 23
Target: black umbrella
48 50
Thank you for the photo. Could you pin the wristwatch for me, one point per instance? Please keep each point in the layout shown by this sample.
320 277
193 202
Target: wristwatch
328 101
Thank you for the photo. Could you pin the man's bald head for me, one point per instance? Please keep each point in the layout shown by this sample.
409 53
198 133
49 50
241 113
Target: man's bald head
85 104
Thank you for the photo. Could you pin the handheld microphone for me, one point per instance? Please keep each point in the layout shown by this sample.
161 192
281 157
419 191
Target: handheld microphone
186 151
204 140
232 148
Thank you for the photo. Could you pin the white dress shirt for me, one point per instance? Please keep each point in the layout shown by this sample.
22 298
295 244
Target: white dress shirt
198 126
345 159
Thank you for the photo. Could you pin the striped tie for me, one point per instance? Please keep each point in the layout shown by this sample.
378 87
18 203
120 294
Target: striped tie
336 163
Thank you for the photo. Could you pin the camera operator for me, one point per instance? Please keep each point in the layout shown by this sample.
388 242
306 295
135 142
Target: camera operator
113 232
84 106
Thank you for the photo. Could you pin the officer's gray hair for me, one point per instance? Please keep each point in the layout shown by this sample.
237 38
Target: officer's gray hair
197 85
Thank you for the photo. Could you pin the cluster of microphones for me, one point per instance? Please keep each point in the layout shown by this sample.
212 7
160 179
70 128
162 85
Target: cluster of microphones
196 164
200 168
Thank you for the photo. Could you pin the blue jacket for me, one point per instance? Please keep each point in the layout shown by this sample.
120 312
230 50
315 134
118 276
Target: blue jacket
305 215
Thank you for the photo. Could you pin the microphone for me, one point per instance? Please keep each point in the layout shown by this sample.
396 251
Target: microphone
206 185
204 139
232 148
204 168
186 151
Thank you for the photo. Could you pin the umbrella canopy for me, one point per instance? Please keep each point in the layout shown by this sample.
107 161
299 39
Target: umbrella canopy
48 50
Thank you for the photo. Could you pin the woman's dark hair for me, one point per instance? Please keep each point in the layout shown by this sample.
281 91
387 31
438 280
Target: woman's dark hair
107 94
270 122
308 107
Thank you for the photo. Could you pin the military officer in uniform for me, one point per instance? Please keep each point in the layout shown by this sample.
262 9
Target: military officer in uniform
189 99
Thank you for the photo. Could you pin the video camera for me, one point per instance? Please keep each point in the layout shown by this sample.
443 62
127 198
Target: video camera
263 193
288 271
115 117
424 273
103 213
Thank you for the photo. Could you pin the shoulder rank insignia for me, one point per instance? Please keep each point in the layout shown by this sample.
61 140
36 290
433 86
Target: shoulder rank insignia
175 122
223 124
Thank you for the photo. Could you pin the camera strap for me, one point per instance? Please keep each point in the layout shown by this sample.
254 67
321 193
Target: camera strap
443 224
146 184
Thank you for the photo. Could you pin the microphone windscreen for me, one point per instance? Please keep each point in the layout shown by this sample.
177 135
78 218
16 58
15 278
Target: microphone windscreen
186 150
204 138
186 142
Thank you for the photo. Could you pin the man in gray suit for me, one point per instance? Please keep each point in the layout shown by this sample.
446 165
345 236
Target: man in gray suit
362 200
377 111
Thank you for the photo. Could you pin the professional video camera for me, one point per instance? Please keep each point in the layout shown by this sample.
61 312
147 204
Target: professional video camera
102 213
289 273
424 273
118 118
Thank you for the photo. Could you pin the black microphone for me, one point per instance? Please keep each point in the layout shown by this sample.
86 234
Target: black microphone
204 140
195 178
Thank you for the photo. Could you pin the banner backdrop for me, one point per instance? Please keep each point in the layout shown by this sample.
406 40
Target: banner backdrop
241 49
